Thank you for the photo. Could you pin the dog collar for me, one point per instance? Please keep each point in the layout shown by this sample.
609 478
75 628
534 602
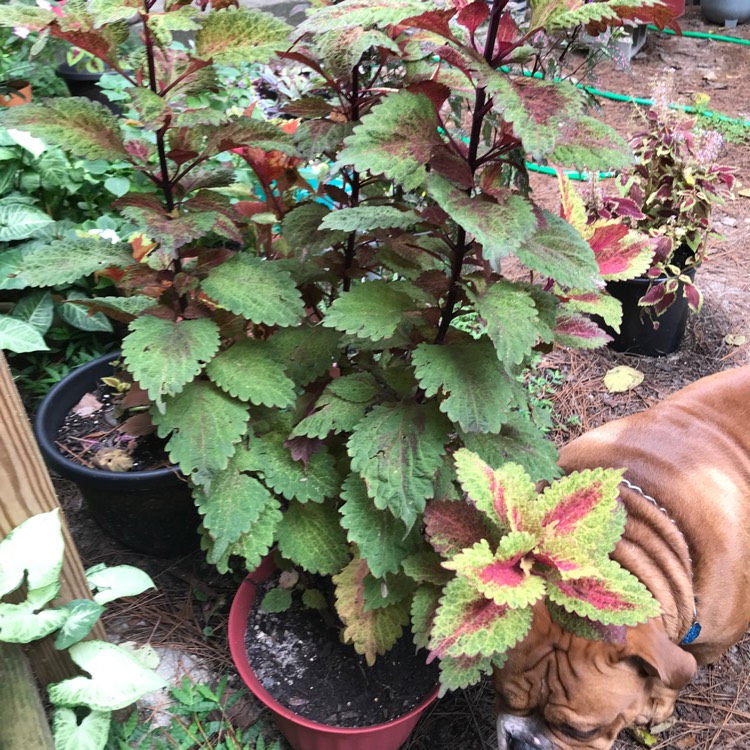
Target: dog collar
695 629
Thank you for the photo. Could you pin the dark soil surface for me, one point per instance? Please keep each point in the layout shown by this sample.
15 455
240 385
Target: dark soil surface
189 609
301 661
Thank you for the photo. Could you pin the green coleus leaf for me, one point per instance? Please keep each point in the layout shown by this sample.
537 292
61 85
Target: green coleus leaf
387 590
306 351
254 545
520 441
366 13
510 315
372 310
613 596
501 228
236 36
230 507
500 575
110 11
469 624
123 309
163 25
302 230
607 307
272 461
310 535
342 49
397 449
579 331
557 250
333 413
84 128
250 371
66 261
383 540
424 607
395 138
451 527
245 131
163 356
369 218
457 673
506 496
426 567
371 632
477 393
257 289
152 109
204 426
588 143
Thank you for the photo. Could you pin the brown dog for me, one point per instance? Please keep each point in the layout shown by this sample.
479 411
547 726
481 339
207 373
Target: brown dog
687 539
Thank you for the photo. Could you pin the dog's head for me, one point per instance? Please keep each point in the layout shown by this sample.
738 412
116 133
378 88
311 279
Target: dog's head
558 691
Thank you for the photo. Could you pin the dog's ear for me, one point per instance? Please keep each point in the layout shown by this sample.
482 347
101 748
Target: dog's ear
649 644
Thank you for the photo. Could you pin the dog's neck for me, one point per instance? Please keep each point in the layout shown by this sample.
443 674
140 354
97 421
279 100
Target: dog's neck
667 568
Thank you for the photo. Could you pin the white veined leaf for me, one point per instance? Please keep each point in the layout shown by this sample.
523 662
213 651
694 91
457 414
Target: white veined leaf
18 336
19 623
37 309
10 268
119 580
78 315
35 546
19 222
117 678
90 734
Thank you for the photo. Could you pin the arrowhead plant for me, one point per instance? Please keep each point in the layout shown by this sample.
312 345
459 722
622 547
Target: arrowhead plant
317 352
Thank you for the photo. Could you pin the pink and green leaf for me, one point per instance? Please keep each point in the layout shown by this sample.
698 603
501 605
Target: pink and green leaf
469 624
579 331
451 527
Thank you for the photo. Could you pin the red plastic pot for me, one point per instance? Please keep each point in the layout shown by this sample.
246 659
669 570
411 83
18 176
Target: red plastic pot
303 734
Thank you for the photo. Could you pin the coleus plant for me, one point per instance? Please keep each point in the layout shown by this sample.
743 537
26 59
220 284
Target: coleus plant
510 548
670 193
307 353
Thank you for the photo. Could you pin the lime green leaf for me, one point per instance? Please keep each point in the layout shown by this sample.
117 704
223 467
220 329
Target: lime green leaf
383 540
622 378
372 310
164 356
372 632
65 261
112 582
205 426
250 371
397 449
257 289
116 679
19 624
310 535
477 393
84 128
395 138
457 673
501 228
237 36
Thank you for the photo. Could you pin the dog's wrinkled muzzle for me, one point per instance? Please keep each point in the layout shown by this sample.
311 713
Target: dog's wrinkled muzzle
521 733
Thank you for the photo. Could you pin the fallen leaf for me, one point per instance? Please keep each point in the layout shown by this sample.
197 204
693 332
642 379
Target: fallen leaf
87 405
113 459
735 339
643 736
622 378
745 192
686 742
664 726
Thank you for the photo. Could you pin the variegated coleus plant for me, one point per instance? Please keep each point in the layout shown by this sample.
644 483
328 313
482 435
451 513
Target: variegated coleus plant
510 548
306 353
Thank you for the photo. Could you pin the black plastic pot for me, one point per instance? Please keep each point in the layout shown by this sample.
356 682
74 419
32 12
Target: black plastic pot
149 511
637 333
84 83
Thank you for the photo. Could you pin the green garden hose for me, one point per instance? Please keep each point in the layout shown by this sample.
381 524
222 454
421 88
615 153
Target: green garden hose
702 35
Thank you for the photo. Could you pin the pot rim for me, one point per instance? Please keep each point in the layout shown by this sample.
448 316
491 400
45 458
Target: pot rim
238 614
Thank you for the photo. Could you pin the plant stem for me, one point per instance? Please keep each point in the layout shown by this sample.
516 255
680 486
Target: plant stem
477 120
350 251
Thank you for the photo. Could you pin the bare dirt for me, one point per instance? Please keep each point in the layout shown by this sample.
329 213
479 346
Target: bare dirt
189 610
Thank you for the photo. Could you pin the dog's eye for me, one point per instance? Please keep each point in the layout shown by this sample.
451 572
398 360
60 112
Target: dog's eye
578 734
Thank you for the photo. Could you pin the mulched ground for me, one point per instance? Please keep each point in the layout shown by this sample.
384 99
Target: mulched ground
189 610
